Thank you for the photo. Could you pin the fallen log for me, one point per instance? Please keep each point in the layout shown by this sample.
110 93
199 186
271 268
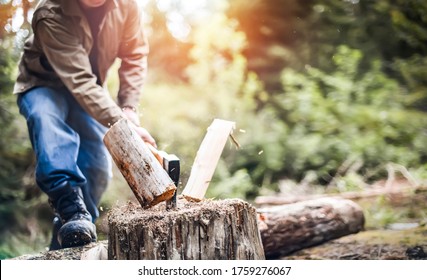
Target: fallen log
288 228
206 230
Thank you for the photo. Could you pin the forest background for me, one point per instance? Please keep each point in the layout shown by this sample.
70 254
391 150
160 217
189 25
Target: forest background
327 95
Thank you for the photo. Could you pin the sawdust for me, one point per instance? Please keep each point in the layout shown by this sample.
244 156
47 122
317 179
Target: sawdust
133 213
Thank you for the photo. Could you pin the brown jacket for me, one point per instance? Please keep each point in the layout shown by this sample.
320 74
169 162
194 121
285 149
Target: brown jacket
57 54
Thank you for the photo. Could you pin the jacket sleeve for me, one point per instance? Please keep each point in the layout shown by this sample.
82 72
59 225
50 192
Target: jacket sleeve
133 53
71 63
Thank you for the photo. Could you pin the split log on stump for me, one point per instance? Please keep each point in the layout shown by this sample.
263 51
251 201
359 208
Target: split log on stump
207 230
146 177
288 228
207 159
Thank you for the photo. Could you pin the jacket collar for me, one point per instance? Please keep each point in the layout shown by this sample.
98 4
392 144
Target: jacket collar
72 7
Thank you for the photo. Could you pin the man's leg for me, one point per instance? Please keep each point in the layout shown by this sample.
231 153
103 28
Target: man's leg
94 159
56 146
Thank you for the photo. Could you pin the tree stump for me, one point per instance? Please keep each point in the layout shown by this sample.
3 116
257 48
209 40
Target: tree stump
288 228
207 230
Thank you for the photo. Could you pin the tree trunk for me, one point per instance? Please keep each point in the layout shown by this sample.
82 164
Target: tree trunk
146 177
288 228
209 230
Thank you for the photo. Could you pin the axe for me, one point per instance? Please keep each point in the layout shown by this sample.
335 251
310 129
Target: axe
171 165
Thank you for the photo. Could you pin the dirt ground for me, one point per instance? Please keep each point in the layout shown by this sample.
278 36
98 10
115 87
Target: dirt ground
370 245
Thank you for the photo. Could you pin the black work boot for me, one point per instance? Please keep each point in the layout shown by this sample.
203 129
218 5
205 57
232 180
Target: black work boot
77 228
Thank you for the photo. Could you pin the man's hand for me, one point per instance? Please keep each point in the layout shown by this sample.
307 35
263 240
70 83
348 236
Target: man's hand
132 116
144 134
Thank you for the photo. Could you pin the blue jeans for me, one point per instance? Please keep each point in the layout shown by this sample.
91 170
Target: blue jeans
68 144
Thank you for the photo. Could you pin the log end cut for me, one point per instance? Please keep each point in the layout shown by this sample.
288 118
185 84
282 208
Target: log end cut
166 195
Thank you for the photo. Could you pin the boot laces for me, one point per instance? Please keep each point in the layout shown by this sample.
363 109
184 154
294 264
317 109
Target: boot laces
69 205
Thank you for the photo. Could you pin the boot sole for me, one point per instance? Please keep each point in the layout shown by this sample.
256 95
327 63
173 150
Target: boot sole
76 233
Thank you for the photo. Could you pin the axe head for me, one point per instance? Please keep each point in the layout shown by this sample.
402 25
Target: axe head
171 165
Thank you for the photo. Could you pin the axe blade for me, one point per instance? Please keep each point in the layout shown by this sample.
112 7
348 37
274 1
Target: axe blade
171 165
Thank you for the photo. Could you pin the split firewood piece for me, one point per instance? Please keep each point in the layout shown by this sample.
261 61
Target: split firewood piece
207 159
148 180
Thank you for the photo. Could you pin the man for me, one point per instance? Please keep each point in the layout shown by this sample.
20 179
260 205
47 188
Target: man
60 93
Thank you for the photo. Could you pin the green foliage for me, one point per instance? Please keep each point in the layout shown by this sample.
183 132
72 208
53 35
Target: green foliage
283 33
383 211
21 205
10 151
337 124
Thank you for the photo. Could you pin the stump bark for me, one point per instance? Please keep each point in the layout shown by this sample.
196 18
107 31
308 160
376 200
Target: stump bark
207 230
288 228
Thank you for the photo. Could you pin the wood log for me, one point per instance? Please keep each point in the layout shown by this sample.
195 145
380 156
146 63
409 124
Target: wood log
206 230
288 228
207 159
146 177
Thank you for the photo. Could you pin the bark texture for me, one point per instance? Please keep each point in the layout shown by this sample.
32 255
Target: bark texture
209 230
288 228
